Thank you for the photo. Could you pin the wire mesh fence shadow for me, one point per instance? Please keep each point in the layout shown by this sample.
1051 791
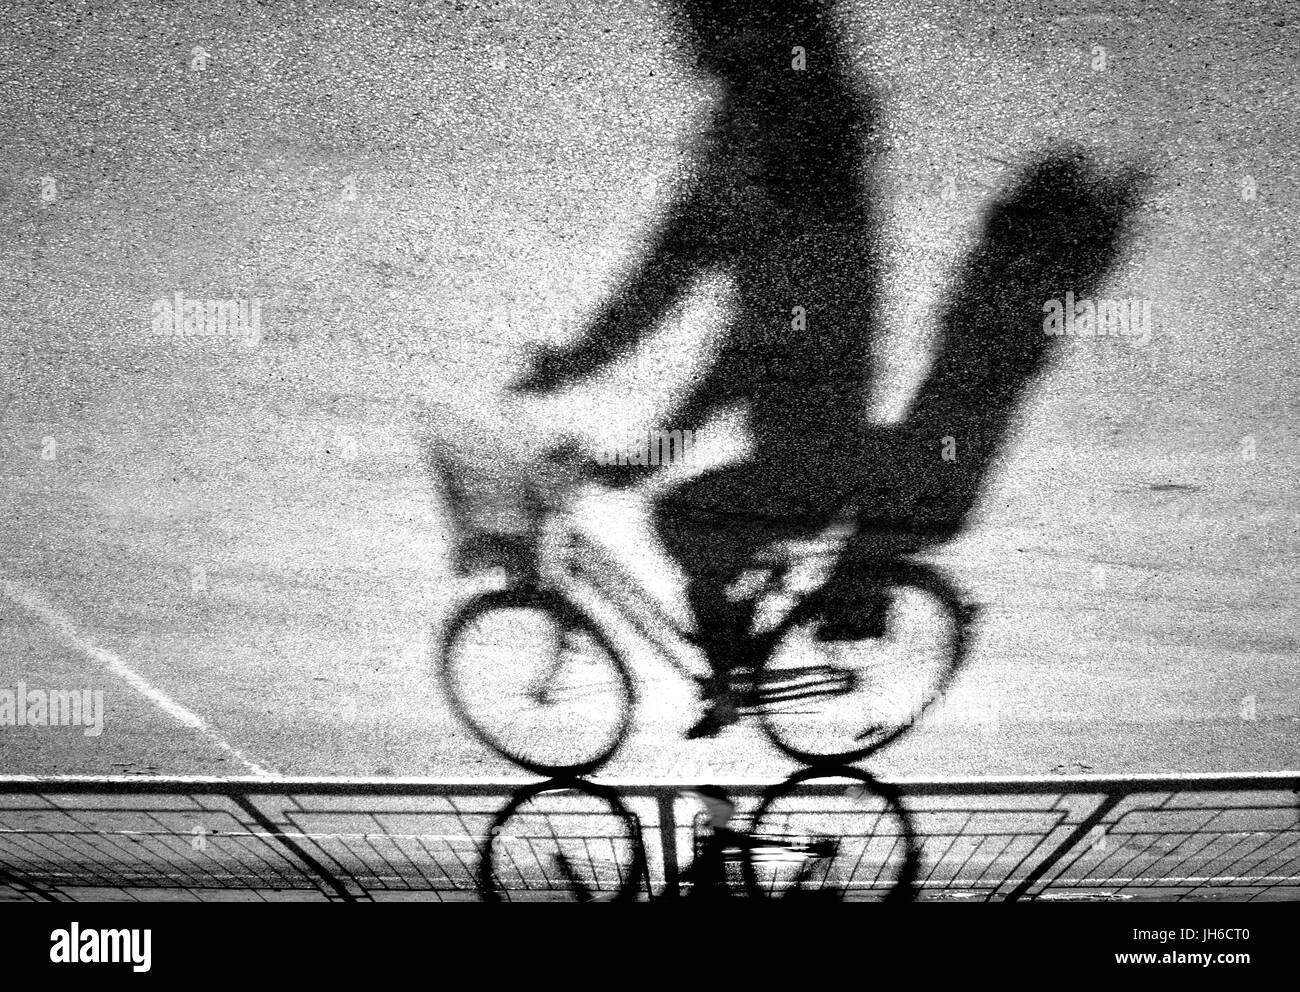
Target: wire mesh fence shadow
1174 837
1161 838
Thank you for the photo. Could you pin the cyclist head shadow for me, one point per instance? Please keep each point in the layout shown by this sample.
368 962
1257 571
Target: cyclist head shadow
775 196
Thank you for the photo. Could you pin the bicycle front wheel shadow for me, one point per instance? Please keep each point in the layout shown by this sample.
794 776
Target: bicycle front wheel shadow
537 681
835 701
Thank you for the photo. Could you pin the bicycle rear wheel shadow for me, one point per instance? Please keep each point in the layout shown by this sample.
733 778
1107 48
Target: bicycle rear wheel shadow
827 701
563 840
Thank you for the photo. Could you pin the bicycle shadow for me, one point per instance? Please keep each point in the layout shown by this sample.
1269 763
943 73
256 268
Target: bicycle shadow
809 837
782 195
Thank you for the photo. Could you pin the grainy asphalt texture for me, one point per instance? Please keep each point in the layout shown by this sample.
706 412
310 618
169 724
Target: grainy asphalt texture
417 191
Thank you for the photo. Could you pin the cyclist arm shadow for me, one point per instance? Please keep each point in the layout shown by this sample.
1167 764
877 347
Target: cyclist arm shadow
680 251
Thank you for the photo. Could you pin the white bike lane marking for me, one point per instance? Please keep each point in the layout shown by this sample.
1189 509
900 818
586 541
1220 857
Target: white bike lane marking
68 632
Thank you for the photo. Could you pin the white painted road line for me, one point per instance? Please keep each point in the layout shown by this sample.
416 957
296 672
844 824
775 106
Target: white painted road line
68 632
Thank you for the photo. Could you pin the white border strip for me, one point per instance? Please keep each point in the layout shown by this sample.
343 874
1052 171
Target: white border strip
1187 780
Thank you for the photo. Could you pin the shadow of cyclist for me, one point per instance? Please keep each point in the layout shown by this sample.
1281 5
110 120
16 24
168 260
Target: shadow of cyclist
778 199
781 198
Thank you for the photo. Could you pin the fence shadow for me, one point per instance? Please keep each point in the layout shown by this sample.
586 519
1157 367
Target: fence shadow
1219 837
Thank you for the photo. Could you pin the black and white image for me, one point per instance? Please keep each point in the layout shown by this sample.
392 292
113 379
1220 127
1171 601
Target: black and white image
649 451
